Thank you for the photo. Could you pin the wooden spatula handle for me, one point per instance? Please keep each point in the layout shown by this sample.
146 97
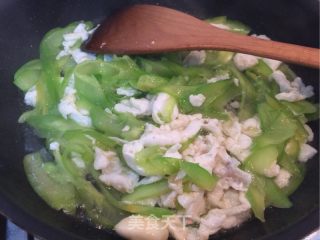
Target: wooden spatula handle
290 53
276 50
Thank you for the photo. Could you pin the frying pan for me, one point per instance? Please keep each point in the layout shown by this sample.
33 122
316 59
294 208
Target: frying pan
24 23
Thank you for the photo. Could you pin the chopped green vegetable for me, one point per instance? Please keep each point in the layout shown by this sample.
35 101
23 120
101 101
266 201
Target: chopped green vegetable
149 82
301 107
262 159
49 126
165 114
277 126
199 175
112 124
232 25
153 163
256 197
290 75
217 96
275 196
28 75
56 194
151 190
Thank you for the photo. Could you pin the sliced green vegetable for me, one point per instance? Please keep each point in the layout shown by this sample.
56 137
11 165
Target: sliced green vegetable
132 208
300 107
256 197
166 112
289 162
136 126
56 194
313 116
292 148
105 122
261 69
218 57
187 143
112 124
97 208
232 25
275 196
295 182
277 126
50 47
149 82
261 159
290 75
162 68
26 115
28 75
217 95
87 85
153 163
151 190
199 176
218 19
127 70
248 94
50 126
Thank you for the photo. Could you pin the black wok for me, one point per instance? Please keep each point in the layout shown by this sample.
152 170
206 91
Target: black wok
22 25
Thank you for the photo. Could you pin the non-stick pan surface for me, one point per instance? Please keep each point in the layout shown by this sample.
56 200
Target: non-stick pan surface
22 25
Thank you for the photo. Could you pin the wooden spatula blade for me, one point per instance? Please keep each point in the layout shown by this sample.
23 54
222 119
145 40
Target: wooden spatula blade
149 30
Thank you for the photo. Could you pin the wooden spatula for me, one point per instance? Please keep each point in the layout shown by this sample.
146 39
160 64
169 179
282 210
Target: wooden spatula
142 29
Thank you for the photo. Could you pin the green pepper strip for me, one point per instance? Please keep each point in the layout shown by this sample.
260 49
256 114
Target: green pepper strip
151 190
199 175
56 194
